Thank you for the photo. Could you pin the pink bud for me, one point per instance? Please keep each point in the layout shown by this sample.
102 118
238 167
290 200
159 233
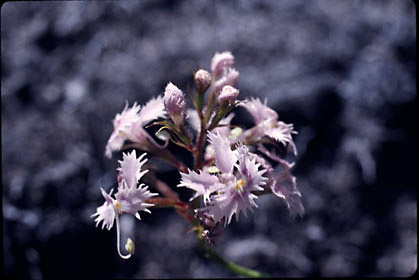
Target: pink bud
228 95
202 80
220 61
229 77
174 101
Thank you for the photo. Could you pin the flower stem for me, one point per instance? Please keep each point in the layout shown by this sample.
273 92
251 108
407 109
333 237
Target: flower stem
233 267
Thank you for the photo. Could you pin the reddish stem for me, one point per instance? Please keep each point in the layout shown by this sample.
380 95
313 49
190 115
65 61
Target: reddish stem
171 199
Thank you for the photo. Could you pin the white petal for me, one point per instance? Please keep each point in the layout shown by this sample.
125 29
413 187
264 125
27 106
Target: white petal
281 133
130 169
202 183
225 158
122 124
154 109
106 212
259 111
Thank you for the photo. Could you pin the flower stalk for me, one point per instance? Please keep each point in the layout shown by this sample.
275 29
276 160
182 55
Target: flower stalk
233 267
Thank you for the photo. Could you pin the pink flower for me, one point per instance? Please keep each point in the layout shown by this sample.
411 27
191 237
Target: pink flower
285 187
221 61
282 183
267 124
237 194
129 125
129 199
122 124
228 192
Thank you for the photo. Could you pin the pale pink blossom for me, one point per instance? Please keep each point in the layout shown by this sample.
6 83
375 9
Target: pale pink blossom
285 187
122 124
267 124
282 183
129 199
129 125
237 195
229 191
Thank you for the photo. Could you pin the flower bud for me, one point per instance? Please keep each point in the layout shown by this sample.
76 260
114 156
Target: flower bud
229 77
220 61
202 80
174 102
228 95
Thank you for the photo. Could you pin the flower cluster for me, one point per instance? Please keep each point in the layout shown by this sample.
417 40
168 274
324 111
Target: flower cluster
232 165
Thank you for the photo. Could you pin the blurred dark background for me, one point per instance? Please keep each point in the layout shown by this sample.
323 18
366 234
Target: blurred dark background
343 72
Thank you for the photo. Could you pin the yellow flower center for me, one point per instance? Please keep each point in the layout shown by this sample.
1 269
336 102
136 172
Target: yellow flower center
240 184
117 205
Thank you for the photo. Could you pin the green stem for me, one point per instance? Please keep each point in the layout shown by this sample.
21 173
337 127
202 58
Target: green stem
233 267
